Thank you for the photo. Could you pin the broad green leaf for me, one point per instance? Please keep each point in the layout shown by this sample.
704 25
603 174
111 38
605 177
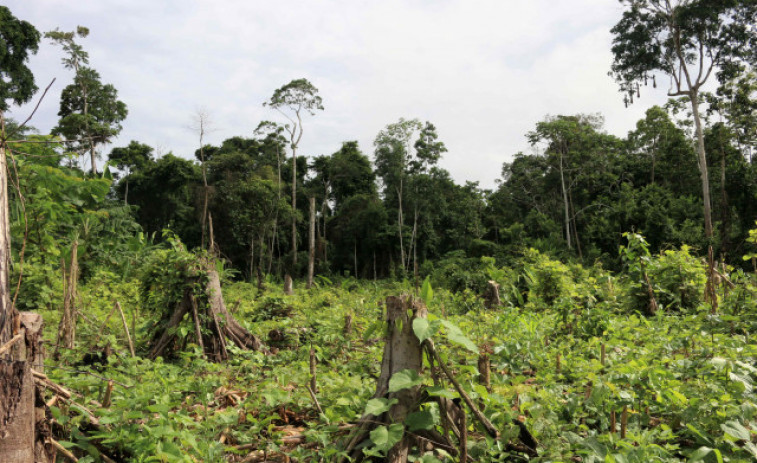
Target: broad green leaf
700 454
439 391
404 379
427 293
736 430
384 438
419 420
457 337
378 406
424 329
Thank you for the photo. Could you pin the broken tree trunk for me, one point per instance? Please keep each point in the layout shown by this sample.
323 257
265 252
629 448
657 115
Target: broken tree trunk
67 325
491 296
219 325
288 290
24 428
311 241
402 351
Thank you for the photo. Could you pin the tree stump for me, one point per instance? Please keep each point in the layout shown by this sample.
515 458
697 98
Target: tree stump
402 351
491 295
288 290
24 428
219 324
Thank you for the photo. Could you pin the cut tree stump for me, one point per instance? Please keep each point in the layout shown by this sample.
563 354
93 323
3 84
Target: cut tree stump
288 290
402 351
24 425
491 296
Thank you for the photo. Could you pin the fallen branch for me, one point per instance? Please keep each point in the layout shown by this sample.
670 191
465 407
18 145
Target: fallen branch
315 399
62 450
490 429
126 330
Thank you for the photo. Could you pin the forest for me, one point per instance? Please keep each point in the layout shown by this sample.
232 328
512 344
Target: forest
252 302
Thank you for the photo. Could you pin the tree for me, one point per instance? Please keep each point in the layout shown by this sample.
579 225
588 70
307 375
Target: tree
90 111
685 40
201 125
393 158
17 40
568 140
133 157
293 100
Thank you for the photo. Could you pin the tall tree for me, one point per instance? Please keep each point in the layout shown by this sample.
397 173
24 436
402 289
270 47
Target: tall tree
568 139
293 101
685 40
202 125
135 156
393 156
18 39
90 111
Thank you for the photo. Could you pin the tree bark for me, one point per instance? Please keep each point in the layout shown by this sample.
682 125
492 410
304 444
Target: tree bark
702 157
294 208
402 351
288 290
311 250
67 326
565 201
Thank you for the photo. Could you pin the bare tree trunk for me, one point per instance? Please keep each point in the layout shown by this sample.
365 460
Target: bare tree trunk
21 439
7 312
67 326
702 157
400 223
565 201
311 250
294 209
288 289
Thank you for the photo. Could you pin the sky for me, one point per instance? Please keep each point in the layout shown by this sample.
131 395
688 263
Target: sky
483 71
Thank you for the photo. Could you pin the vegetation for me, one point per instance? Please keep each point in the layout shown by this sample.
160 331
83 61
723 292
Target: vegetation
614 335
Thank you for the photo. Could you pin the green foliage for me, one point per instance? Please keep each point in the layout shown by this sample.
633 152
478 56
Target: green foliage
18 39
676 277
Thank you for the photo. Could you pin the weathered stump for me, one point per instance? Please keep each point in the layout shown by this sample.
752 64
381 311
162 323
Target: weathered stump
288 289
402 351
24 427
491 296
219 324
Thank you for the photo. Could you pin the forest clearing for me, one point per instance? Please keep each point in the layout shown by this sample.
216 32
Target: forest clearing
252 301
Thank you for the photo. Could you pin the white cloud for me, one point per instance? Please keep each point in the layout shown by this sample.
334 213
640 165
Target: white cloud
483 71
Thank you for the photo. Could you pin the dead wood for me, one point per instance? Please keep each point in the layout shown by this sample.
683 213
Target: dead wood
67 325
288 289
402 351
491 295
211 328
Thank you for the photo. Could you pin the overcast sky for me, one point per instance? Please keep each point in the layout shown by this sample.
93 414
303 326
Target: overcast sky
483 71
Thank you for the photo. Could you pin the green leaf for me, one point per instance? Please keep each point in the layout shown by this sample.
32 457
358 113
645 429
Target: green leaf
424 329
439 391
736 430
700 454
384 438
456 336
404 379
427 293
378 406
419 420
